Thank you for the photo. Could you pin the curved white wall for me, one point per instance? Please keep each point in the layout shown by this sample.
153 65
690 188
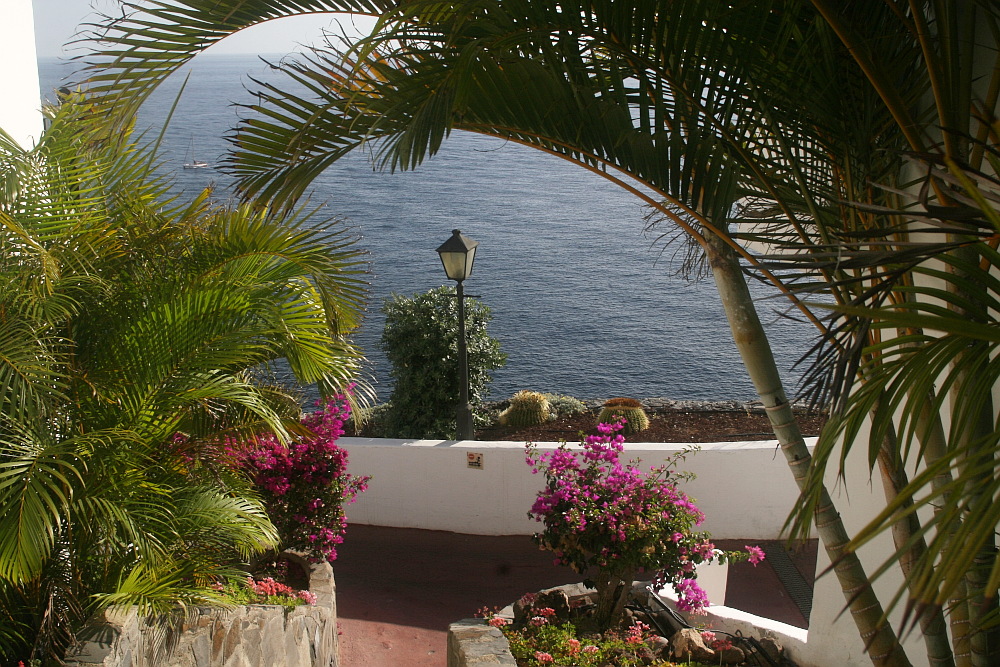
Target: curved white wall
19 113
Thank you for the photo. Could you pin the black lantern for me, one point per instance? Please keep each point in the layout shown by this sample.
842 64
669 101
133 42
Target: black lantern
457 256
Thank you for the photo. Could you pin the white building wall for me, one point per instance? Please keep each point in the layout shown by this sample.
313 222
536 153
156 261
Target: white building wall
19 112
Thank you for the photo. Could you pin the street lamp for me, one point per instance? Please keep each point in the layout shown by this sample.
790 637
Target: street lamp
457 255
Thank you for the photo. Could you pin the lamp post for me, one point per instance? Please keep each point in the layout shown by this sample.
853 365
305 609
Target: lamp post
457 256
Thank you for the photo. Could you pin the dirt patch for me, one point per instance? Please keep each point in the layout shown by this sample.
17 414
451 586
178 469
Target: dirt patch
670 426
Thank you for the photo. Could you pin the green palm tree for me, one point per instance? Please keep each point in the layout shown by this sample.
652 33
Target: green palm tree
630 112
133 328
786 121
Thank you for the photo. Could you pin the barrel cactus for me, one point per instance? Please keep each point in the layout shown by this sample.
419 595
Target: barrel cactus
527 408
629 409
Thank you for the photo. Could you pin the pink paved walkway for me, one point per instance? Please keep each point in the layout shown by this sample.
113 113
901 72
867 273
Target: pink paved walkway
398 589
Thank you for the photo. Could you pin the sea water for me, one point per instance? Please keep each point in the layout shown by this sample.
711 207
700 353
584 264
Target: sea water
584 301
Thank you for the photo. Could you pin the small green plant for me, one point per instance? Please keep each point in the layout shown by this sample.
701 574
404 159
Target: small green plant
527 408
627 409
564 406
545 638
420 340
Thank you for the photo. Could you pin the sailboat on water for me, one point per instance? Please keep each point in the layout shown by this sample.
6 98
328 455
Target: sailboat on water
191 163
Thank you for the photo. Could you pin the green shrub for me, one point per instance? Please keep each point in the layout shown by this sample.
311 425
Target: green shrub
527 408
564 406
420 340
373 419
628 409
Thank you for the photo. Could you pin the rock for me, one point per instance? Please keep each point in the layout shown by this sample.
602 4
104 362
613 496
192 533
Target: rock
645 654
660 646
733 655
581 605
529 605
688 645
772 648
557 600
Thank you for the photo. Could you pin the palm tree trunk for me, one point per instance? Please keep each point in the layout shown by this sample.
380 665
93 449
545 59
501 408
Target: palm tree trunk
930 432
882 644
932 623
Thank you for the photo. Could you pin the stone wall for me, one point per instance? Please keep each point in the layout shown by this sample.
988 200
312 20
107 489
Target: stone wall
248 636
472 642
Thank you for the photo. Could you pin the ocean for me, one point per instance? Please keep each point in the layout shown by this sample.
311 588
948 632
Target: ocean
584 302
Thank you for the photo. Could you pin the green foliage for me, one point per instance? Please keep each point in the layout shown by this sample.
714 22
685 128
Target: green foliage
628 409
565 645
374 418
527 408
564 406
127 318
420 340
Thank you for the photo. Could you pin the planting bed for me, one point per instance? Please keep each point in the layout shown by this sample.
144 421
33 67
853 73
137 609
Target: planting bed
665 426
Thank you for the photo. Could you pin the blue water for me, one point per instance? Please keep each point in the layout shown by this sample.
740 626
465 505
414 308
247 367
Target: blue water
583 302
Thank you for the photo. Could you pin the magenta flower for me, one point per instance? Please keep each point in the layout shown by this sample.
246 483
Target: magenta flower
756 554
305 484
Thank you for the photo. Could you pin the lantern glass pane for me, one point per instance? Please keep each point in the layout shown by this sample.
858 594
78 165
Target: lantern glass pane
454 265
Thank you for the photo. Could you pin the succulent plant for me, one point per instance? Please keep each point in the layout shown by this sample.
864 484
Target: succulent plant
628 409
527 408
564 406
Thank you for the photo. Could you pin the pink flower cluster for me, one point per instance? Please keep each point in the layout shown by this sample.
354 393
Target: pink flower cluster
714 642
636 634
269 587
305 484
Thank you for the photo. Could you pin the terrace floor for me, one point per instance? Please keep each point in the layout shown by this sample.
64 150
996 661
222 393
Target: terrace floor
398 589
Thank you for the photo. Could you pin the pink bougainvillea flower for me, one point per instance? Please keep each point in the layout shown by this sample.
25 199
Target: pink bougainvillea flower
756 554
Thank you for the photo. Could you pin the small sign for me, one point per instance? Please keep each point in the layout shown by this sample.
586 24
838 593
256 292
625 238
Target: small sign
475 460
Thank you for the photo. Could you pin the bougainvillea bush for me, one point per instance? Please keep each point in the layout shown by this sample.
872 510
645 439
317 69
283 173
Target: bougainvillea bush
305 484
611 520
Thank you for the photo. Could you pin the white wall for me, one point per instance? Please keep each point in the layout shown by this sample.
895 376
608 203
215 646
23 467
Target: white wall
19 112
744 488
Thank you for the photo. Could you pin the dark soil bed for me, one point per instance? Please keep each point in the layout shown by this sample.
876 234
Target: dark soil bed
664 426
670 426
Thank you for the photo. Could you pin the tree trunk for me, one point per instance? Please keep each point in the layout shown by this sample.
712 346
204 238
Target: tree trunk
612 594
932 623
881 642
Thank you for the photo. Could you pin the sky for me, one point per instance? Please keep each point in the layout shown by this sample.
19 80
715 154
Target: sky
56 21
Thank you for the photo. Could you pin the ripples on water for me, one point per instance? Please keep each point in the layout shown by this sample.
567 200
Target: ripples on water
583 303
